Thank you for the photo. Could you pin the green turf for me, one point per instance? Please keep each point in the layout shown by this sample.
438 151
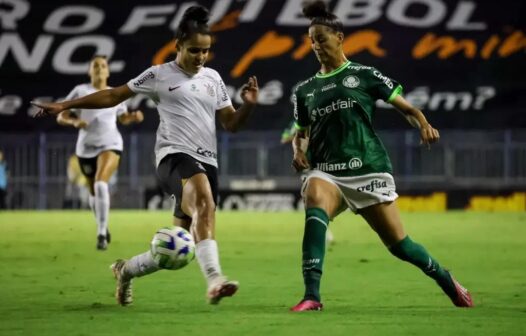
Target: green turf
54 282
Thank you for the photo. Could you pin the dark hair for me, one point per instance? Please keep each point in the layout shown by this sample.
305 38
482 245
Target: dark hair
99 56
318 13
194 21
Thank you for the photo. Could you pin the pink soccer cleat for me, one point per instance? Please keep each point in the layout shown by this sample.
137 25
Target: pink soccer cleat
307 305
463 298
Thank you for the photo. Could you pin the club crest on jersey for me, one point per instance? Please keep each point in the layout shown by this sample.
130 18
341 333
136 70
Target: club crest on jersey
351 82
210 90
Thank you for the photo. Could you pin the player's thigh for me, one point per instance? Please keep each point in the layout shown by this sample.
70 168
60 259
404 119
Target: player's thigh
324 195
107 164
384 218
197 195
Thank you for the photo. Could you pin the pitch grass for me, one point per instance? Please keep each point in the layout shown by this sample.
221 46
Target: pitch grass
54 282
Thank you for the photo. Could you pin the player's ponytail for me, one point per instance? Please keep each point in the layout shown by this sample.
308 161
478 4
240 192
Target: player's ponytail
318 13
194 21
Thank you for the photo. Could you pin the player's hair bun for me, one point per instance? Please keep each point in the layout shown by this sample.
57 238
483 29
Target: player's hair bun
196 13
316 9
195 20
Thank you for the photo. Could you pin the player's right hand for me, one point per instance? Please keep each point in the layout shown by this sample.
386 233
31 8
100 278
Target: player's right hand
47 109
80 124
300 162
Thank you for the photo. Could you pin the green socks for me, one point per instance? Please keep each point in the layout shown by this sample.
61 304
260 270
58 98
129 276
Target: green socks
316 222
417 255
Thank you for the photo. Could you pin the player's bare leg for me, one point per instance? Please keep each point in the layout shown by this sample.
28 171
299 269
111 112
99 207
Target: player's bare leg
198 203
384 218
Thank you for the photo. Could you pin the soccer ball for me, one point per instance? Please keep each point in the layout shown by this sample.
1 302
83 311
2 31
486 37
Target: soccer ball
172 248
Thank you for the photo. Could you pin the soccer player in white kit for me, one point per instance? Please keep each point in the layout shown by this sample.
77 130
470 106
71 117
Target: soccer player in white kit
188 97
99 143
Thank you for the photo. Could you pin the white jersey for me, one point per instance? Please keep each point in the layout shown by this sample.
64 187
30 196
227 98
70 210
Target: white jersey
187 105
101 134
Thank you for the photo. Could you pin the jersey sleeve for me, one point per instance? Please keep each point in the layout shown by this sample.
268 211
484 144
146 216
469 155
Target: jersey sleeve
301 115
145 83
382 87
223 99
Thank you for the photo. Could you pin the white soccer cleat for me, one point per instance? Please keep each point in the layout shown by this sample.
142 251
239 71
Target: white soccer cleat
220 288
123 291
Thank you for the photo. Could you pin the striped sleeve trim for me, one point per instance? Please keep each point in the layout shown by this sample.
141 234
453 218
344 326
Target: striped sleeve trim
398 90
298 127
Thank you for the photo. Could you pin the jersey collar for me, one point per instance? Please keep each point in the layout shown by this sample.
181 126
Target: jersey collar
333 72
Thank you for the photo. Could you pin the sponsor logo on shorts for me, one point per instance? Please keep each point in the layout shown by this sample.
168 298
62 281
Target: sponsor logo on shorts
207 153
375 184
200 166
87 169
351 82
144 78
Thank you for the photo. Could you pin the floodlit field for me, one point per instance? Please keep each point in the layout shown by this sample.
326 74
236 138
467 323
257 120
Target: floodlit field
54 282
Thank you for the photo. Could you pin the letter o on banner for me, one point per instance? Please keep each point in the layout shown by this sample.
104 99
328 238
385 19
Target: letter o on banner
435 12
55 23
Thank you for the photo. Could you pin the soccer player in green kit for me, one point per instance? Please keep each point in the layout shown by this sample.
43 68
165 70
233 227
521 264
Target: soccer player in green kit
345 164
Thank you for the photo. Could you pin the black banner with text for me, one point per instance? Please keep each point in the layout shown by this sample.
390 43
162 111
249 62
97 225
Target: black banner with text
463 62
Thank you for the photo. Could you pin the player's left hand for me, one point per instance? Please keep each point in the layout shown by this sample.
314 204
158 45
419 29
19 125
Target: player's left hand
249 91
428 135
47 109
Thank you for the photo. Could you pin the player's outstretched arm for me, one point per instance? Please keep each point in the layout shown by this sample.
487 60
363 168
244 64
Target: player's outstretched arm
99 99
232 120
416 118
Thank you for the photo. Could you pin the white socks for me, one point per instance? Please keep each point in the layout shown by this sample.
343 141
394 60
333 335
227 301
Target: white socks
91 202
102 206
142 264
208 259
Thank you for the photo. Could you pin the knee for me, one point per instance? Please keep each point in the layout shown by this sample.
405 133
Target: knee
314 197
100 188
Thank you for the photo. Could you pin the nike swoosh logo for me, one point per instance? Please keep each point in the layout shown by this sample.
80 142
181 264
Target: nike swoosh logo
173 88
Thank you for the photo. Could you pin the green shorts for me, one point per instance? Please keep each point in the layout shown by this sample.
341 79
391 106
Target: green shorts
358 192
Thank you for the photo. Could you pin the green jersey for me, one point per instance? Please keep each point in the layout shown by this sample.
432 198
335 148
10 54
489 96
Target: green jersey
339 108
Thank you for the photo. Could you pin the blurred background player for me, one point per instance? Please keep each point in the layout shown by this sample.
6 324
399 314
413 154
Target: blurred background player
188 97
99 143
76 193
3 181
344 162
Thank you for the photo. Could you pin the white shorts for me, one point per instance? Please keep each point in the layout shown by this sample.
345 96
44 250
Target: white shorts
358 191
